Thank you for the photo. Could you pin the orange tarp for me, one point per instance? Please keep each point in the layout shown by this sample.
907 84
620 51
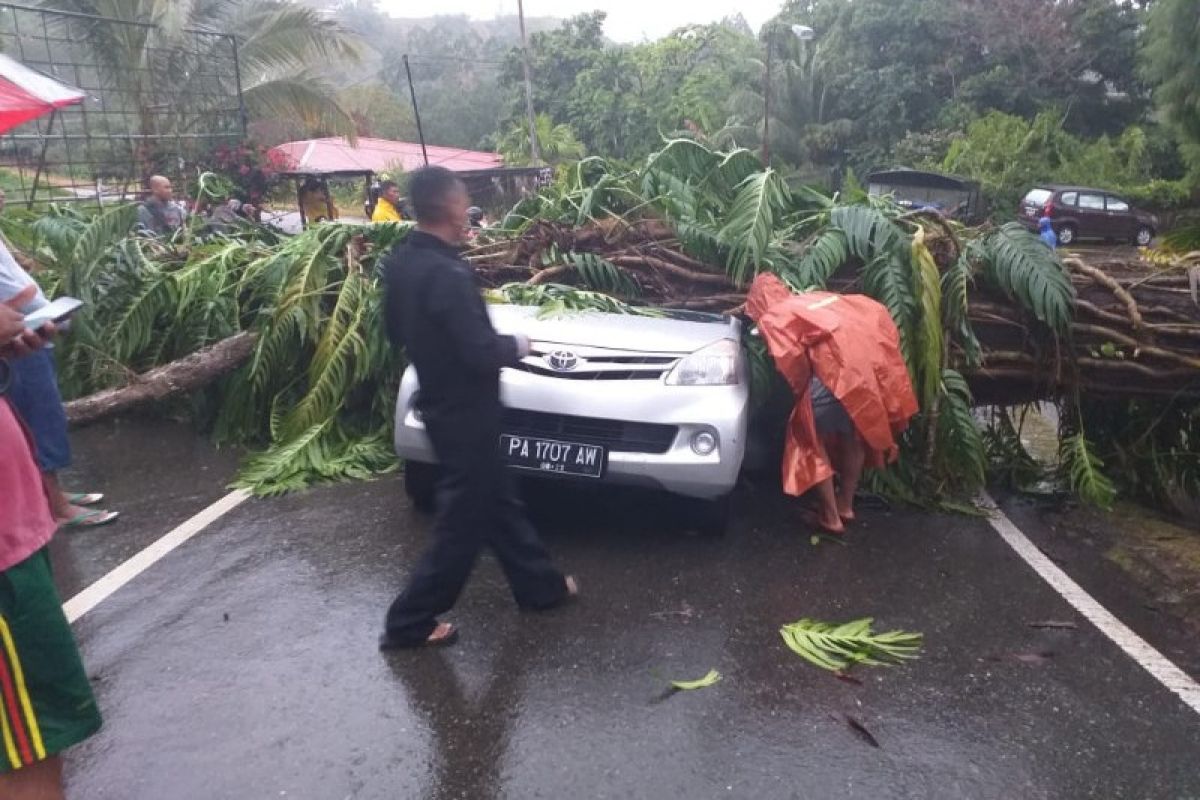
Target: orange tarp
850 342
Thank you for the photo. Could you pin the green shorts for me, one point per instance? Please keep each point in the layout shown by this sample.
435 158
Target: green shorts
46 702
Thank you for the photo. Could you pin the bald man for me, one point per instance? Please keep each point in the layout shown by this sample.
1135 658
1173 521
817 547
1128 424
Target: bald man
158 213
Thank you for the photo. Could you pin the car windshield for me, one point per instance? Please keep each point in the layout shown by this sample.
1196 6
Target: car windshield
684 315
1038 197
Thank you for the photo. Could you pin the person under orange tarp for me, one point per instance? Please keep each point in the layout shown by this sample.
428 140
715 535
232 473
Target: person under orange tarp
851 346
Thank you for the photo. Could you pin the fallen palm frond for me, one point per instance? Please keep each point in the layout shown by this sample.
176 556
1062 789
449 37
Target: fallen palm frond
839 647
985 316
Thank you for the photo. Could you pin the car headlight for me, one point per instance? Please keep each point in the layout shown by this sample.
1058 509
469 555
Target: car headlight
716 365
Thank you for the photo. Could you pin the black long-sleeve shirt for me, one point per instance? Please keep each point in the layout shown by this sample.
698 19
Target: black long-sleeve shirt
435 311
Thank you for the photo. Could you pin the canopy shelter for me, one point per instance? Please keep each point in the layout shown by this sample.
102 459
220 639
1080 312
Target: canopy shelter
26 94
336 155
950 195
301 176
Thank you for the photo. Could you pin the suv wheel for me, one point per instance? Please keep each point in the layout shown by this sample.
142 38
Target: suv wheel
709 518
1144 235
420 483
1066 234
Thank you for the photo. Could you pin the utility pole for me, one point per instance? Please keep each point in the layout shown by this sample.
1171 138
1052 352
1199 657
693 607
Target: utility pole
534 150
416 112
766 142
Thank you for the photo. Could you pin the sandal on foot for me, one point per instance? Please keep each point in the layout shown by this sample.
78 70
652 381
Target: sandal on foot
90 519
91 499
448 636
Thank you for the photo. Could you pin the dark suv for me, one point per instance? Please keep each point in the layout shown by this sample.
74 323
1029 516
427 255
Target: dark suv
1082 213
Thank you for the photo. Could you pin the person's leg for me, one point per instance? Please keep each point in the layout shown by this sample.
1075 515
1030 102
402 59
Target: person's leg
40 781
35 395
47 705
60 504
535 582
466 497
442 571
849 464
827 515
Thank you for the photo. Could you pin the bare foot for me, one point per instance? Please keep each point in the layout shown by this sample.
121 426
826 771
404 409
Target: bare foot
846 512
832 524
442 634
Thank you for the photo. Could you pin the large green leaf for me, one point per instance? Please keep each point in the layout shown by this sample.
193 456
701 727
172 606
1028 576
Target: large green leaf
839 647
822 257
1020 265
749 229
1084 471
928 290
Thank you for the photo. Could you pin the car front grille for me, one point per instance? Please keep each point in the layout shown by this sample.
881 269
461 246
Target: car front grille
598 365
617 436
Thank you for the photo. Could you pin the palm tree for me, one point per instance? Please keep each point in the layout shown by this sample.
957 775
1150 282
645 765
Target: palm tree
281 47
558 143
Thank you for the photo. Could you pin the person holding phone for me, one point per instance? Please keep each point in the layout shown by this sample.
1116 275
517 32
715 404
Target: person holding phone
34 394
47 704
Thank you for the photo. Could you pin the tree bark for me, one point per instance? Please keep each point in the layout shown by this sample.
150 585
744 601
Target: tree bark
161 383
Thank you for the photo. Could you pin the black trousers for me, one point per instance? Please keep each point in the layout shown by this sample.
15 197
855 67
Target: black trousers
478 507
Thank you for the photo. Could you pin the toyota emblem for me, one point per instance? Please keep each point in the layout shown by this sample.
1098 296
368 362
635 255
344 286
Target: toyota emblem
562 361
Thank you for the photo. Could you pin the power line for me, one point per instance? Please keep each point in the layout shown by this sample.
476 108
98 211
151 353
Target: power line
460 59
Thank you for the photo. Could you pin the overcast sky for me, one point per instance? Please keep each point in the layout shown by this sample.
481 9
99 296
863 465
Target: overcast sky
628 20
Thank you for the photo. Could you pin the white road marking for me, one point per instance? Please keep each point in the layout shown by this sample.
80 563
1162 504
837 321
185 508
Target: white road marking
122 574
1134 646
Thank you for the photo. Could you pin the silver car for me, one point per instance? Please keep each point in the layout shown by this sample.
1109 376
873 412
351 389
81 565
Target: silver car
660 402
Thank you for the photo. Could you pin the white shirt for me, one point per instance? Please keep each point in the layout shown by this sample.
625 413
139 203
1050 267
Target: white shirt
14 279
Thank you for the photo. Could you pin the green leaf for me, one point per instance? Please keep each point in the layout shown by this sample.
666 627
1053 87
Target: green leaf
839 647
1083 471
749 228
708 680
821 258
928 289
1017 263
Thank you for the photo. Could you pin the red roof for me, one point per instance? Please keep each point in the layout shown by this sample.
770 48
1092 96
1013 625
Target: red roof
378 155
26 95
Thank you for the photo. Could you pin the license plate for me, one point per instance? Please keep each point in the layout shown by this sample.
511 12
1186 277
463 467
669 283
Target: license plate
549 455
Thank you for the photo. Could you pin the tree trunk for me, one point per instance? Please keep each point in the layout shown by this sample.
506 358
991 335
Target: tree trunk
161 383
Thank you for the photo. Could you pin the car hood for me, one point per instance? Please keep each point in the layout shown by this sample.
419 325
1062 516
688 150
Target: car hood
615 331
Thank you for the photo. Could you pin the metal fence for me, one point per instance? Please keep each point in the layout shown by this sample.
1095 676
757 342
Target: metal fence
156 103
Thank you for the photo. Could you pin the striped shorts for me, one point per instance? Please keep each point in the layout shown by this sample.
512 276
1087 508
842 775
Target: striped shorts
46 701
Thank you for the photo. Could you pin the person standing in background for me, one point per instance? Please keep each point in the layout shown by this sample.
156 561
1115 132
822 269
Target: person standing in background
34 394
47 704
159 213
1046 233
387 207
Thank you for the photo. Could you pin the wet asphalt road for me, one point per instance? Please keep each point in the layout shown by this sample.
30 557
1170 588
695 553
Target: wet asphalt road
244 665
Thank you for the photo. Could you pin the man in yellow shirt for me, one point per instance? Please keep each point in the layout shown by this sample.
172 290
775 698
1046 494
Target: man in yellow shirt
387 207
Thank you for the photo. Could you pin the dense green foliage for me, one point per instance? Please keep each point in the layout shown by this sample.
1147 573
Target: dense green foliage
284 51
1170 66
1010 92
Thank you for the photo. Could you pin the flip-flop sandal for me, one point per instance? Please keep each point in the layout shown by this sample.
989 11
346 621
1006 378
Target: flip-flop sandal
386 643
90 519
92 499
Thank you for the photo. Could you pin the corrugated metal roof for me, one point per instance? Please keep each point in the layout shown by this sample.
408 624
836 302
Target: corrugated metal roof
334 154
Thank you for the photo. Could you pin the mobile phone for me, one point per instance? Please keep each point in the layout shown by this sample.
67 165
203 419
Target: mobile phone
58 311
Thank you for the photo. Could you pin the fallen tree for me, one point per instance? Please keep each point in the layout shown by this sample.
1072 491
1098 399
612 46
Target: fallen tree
188 374
688 230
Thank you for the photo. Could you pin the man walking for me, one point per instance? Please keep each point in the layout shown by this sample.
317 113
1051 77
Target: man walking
435 311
